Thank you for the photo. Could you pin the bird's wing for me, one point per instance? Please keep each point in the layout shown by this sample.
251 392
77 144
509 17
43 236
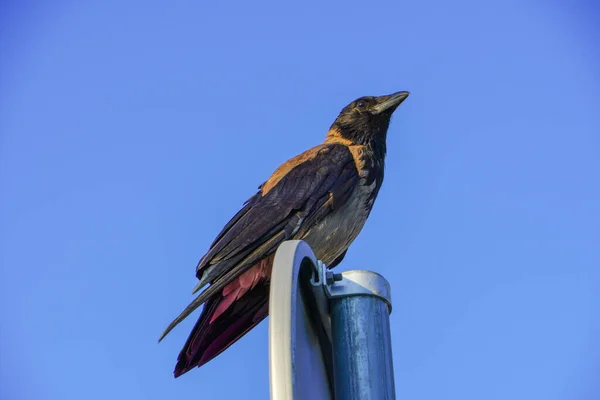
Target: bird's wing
295 192
299 194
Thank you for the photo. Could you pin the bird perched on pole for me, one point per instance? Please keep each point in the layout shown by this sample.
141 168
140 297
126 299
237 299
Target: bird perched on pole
322 196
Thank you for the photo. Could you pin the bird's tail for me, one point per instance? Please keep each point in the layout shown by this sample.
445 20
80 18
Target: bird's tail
223 321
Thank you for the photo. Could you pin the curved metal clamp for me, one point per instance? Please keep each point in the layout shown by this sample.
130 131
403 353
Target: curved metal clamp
350 283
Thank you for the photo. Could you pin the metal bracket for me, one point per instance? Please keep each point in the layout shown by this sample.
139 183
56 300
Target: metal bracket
349 283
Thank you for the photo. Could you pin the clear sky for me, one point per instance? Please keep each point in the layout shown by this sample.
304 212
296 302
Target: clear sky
130 132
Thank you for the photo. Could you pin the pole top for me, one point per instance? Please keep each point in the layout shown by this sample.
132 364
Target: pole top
353 283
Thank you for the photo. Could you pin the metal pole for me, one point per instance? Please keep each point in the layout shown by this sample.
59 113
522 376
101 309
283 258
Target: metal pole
360 305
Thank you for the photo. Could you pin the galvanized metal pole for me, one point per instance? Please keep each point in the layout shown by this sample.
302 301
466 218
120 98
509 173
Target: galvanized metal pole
360 305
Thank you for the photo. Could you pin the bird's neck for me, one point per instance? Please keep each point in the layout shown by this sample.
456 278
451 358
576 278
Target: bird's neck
369 158
376 147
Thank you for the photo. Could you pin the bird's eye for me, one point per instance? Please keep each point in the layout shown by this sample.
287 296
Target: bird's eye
361 104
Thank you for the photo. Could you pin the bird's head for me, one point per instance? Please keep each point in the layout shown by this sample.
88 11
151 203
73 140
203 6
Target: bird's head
366 120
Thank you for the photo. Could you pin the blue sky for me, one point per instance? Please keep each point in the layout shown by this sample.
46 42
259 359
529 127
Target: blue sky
130 132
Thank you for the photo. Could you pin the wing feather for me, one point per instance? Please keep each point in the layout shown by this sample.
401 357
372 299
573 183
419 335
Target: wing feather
287 204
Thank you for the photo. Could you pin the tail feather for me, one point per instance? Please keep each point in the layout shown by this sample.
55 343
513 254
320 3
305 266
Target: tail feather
227 316
209 339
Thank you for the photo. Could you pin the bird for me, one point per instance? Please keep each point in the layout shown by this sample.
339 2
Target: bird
322 196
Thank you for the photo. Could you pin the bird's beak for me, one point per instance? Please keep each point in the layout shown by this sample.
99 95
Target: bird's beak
390 102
